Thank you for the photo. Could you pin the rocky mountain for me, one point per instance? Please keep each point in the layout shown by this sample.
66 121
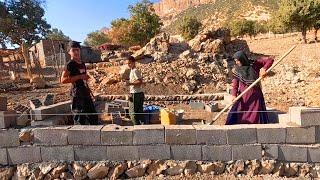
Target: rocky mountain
212 12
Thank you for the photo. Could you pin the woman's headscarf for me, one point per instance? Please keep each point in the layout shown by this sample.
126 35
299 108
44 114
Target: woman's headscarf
245 73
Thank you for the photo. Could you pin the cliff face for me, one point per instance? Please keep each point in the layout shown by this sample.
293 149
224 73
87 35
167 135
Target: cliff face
166 7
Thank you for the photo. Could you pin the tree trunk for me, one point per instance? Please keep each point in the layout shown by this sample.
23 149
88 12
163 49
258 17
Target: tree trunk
1 63
316 35
304 35
26 60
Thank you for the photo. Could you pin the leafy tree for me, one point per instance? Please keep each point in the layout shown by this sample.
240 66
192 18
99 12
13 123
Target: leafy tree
189 28
243 27
120 30
299 14
96 38
276 26
56 34
144 22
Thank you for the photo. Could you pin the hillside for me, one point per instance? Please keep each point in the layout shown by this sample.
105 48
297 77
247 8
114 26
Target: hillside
217 13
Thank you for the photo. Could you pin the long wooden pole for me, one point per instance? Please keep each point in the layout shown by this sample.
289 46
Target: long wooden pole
252 85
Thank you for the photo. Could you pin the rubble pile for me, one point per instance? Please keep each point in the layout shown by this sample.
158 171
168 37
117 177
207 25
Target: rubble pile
204 61
158 168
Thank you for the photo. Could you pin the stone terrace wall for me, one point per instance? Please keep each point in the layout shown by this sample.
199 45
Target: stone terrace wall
288 143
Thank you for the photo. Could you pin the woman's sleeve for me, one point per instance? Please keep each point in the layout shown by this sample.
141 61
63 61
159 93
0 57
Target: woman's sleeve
264 62
235 87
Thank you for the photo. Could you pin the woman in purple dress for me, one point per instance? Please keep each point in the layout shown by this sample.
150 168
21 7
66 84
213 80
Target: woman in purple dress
251 108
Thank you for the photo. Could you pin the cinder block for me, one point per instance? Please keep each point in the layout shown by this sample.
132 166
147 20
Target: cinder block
314 154
112 107
246 152
148 134
211 135
293 153
212 107
271 151
196 105
284 118
271 133
51 121
52 136
180 134
186 152
90 153
8 119
123 103
227 99
301 135
84 135
9 138
3 157
35 103
3 103
122 153
217 153
241 134
116 135
304 116
45 112
22 155
58 153
155 152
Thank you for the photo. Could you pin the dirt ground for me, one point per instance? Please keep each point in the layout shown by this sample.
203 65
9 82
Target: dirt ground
305 56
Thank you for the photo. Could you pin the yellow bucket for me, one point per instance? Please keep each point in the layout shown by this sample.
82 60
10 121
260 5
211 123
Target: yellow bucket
167 117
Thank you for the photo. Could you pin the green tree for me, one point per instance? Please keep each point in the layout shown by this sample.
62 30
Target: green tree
120 31
189 28
243 27
276 26
144 23
56 34
96 38
299 14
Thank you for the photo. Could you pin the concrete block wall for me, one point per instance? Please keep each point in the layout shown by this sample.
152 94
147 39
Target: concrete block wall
290 143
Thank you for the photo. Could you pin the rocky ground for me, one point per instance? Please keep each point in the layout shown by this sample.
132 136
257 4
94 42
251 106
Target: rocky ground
159 169
201 66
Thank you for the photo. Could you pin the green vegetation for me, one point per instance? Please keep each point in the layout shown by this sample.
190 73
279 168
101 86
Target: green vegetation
189 28
56 34
96 38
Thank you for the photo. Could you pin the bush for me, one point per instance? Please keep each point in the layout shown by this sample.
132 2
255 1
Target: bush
189 28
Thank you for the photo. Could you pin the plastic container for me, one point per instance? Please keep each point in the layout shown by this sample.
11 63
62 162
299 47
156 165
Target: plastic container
152 114
167 117
179 115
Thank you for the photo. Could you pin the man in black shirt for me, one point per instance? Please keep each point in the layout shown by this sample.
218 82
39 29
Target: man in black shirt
75 73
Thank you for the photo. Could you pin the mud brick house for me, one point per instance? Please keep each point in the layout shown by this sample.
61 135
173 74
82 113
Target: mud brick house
54 53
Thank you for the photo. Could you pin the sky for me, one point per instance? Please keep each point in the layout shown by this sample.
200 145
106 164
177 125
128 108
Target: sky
77 18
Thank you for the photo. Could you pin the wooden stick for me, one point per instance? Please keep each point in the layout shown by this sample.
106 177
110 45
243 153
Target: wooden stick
252 85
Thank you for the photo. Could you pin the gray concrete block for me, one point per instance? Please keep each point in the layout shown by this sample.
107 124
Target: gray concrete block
9 138
314 154
51 136
45 112
123 103
271 133
85 135
196 105
273 115
90 153
51 121
58 153
241 134
293 153
3 157
8 119
212 107
304 116
3 103
284 118
180 134
246 152
155 152
116 135
20 155
217 153
148 134
211 135
301 135
121 153
186 152
271 151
